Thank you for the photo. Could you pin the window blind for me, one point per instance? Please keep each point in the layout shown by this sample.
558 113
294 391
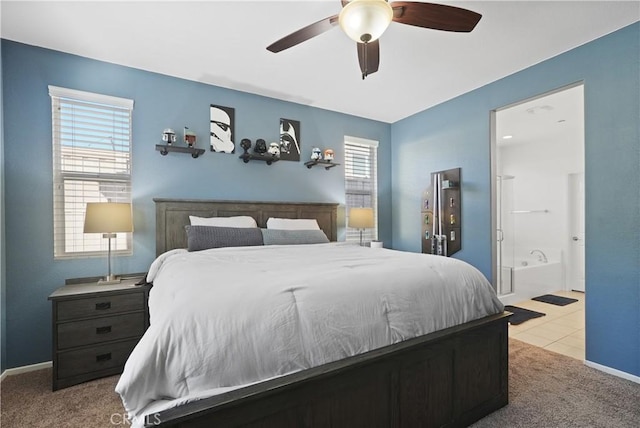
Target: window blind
91 163
361 183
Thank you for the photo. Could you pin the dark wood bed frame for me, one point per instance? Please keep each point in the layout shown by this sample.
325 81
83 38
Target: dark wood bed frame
448 378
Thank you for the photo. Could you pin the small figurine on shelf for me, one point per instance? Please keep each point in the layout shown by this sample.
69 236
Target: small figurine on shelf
328 155
246 145
168 136
189 137
316 154
274 150
260 147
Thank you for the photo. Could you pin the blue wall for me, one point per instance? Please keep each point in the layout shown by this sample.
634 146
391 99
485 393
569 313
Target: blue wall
3 305
160 102
457 134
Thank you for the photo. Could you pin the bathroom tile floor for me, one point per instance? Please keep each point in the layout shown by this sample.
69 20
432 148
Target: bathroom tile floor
561 330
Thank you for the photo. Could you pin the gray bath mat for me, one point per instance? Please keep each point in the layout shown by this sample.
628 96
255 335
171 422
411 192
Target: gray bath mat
554 300
521 315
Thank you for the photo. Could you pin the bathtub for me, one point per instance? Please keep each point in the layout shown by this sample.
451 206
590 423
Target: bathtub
531 278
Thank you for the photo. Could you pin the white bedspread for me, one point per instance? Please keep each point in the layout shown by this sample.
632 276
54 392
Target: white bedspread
227 317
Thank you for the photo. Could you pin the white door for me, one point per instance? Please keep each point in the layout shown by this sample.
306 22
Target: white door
575 268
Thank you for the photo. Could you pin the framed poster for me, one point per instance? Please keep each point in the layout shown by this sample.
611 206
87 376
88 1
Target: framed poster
222 129
289 140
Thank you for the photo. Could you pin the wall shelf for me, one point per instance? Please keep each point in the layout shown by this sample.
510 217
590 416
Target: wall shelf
269 159
327 164
442 214
164 149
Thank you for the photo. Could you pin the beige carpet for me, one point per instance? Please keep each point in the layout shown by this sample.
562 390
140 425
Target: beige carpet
27 402
546 390
551 390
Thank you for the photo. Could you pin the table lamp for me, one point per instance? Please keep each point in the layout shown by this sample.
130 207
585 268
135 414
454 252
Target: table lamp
108 218
361 218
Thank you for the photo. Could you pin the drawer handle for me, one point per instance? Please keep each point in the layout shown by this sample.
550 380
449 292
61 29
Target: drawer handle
103 330
103 306
103 357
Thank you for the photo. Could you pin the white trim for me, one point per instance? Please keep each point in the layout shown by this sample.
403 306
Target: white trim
56 91
25 369
363 141
614 372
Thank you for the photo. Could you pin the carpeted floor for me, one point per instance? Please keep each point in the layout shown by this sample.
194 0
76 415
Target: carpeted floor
28 402
555 391
546 390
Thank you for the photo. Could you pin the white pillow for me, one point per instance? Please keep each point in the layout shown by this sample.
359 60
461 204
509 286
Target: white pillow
237 221
293 223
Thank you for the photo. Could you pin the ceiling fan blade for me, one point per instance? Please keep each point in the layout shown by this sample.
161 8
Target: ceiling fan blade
435 16
369 57
304 34
344 2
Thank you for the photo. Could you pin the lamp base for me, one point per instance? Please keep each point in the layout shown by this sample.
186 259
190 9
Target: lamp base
109 279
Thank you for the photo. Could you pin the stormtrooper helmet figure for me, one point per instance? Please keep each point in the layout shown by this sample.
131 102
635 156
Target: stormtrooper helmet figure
274 150
316 154
169 136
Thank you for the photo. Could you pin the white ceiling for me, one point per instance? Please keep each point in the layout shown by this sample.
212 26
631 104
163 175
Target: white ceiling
557 117
224 43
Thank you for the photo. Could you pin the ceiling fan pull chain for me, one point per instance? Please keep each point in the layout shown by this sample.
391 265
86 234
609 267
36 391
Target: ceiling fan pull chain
365 71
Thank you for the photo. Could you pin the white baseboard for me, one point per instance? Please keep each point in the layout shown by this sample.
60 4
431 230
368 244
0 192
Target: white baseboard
25 369
609 370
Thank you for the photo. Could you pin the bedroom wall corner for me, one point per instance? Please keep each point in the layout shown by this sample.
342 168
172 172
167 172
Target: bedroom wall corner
3 306
457 134
160 102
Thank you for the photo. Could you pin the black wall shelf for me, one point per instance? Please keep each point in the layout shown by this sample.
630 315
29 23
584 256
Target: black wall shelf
164 149
327 164
269 159
445 214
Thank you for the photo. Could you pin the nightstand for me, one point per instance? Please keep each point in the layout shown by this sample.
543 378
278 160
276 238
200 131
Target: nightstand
95 328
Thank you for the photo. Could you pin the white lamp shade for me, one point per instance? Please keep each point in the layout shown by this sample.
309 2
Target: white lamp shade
360 218
365 20
108 217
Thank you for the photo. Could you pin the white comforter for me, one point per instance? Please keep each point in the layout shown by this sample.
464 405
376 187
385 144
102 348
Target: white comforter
227 317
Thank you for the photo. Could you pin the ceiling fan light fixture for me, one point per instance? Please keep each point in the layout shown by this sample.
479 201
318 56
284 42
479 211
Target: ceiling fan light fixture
365 20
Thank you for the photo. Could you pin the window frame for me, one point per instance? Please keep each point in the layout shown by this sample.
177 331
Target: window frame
64 178
352 234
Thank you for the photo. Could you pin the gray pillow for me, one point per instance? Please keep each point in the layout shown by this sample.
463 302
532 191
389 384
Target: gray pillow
205 237
293 237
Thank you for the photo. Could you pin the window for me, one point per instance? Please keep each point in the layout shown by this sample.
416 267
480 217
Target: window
361 183
91 163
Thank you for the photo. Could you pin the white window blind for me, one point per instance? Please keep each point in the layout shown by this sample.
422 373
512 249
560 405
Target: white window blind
91 163
361 183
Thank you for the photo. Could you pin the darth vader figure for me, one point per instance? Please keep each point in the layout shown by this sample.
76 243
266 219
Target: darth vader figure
260 147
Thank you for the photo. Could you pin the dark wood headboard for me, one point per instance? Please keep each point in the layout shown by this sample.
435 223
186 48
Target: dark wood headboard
172 215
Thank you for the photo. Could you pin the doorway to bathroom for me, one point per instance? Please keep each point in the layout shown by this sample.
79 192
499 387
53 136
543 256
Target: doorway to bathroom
538 213
538 198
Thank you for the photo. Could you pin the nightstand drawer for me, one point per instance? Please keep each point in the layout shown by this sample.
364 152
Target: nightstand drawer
93 359
97 306
97 330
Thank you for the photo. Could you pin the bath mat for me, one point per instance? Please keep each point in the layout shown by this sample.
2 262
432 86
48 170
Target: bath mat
521 315
554 300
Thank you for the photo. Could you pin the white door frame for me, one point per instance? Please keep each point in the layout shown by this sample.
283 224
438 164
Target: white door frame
493 172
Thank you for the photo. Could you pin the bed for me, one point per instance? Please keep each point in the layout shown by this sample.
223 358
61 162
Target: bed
449 374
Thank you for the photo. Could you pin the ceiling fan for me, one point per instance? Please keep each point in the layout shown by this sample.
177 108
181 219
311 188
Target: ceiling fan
364 21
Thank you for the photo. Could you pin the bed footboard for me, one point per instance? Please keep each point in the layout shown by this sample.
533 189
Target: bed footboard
449 378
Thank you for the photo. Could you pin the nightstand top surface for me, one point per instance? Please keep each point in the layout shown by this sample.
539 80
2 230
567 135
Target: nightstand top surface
94 287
